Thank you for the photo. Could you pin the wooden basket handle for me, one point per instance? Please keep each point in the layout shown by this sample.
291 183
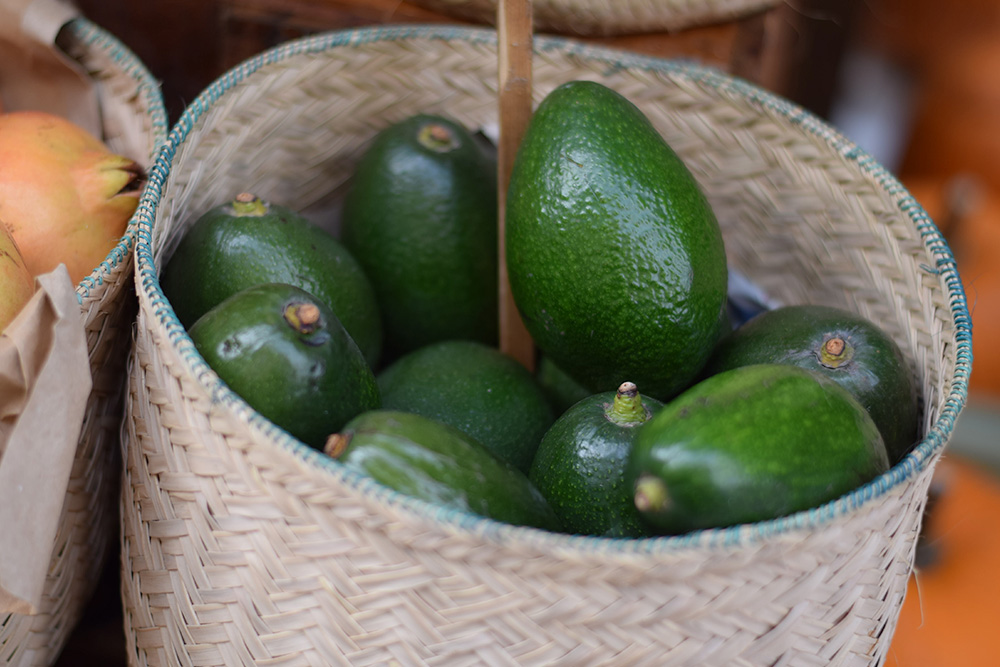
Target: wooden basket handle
514 35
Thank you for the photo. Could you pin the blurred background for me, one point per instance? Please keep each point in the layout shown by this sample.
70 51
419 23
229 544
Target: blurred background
913 82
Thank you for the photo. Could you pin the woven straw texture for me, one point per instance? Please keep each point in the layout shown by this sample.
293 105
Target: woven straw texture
610 17
134 124
242 546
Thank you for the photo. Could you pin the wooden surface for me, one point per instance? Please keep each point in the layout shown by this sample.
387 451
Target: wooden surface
188 43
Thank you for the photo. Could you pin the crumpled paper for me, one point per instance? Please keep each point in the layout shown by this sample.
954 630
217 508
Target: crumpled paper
45 376
44 384
36 75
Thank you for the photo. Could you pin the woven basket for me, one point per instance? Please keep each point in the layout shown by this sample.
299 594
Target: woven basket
241 545
134 124
610 17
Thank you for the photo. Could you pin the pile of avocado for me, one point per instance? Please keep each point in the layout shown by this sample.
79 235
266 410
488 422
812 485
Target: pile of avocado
650 412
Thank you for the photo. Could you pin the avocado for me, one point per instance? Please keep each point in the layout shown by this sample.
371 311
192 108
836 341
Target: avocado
249 241
846 347
749 444
287 355
420 215
475 388
615 258
423 458
561 390
580 463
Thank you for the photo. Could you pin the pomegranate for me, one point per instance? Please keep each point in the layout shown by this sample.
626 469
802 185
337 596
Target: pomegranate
16 283
64 196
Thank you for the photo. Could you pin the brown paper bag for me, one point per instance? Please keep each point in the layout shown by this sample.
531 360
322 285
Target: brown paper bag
45 376
28 30
44 384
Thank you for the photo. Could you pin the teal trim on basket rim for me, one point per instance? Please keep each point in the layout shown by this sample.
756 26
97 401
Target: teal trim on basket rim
732 537
147 87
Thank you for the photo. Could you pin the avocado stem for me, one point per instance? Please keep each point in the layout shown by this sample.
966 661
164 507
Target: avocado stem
247 204
336 445
835 352
437 137
651 494
627 408
302 316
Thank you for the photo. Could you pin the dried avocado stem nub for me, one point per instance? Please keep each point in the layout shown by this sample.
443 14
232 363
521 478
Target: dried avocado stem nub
437 137
627 408
336 445
302 316
651 494
835 352
247 204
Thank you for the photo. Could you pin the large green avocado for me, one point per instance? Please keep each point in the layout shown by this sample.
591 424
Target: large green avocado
750 444
421 217
580 463
615 257
844 346
287 355
249 241
435 462
477 389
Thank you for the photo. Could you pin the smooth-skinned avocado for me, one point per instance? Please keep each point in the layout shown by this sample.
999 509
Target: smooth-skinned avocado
249 241
750 444
437 463
420 215
844 346
288 356
477 389
615 257
580 464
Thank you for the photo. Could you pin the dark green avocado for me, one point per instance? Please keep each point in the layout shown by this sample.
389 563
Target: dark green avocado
421 217
249 241
615 257
475 388
426 459
750 444
843 346
287 355
561 390
580 463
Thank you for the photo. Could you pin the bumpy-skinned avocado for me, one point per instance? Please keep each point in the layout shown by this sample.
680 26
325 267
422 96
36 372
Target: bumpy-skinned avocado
475 388
249 241
580 463
842 345
749 444
421 217
426 459
616 260
287 355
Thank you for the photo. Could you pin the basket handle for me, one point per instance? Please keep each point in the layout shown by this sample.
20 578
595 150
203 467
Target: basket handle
514 36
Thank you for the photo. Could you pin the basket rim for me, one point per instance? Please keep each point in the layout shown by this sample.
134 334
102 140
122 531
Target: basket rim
730 537
93 36
562 17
